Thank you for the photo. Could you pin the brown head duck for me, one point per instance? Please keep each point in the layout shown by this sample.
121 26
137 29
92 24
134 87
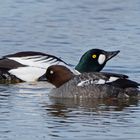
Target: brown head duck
89 85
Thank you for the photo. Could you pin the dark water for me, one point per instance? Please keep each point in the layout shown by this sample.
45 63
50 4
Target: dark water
67 29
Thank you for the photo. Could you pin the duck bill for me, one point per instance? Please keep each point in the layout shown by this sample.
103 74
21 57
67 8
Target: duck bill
42 78
111 54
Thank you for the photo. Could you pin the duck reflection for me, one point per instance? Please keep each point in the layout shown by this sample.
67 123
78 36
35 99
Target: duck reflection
62 107
4 92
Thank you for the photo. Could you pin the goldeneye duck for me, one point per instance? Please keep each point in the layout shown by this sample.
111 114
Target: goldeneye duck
89 85
29 66
94 60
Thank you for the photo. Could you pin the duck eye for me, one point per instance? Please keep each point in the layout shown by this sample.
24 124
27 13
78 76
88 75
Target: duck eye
51 72
94 56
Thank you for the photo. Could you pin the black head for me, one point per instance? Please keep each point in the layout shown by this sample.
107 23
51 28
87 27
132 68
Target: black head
94 60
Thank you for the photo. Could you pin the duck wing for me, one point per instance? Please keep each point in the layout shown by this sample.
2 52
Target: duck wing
113 79
29 65
124 83
7 64
35 59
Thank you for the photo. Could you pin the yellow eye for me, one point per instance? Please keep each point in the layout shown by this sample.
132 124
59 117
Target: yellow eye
94 56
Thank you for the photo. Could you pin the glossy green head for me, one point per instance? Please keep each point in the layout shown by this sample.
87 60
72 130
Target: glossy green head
94 60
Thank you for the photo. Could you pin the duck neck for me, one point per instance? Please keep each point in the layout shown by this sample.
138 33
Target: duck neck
62 79
88 67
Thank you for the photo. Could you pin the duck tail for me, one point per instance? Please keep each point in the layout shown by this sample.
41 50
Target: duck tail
132 92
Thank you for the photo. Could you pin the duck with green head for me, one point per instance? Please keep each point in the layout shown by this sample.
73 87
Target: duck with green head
94 60
31 66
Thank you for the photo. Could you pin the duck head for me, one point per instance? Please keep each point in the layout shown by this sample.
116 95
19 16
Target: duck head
58 75
94 60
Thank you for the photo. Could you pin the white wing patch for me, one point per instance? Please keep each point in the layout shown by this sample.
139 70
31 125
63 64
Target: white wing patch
96 82
84 83
35 66
100 81
112 79
36 61
40 61
90 82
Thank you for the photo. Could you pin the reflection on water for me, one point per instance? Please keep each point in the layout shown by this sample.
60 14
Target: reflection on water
67 29
92 118
61 107
5 106
29 113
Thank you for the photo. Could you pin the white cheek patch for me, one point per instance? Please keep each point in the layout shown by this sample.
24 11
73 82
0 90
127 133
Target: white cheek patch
101 59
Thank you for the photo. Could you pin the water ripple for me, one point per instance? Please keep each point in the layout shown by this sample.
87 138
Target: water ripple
68 29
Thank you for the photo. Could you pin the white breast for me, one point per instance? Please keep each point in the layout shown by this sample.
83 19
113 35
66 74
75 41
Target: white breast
28 74
35 66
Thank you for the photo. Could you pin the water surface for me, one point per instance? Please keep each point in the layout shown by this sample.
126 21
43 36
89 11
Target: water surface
67 29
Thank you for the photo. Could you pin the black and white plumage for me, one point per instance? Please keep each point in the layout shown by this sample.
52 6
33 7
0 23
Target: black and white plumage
27 66
90 85
30 66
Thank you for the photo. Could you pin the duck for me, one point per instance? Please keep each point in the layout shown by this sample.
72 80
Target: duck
30 66
96 85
